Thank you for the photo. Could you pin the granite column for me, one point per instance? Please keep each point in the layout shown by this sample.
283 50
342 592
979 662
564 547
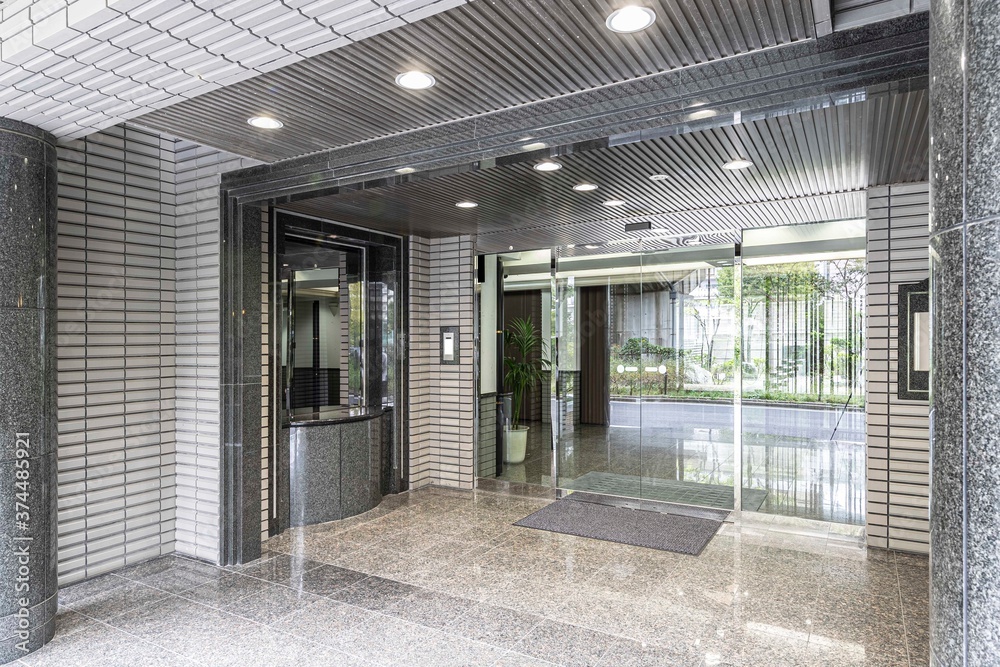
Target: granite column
27 389
965 380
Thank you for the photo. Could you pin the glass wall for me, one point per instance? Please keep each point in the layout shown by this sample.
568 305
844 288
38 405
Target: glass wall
677 371
324 329
803 379
643 341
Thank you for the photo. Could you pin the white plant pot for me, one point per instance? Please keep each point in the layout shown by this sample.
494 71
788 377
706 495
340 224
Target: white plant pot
515 444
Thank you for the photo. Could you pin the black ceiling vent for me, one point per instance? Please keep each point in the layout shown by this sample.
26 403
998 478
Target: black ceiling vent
638 226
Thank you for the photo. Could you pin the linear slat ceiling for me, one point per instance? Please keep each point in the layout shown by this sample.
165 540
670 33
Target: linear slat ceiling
808 167
487 55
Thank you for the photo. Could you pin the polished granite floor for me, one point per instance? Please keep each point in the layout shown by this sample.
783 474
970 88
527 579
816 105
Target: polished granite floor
439 578
809 462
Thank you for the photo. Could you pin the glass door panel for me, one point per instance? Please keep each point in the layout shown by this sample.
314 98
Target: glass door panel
597 439
642 340
803 382
688 354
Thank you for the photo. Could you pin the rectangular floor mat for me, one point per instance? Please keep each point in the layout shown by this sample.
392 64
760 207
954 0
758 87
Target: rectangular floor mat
654 530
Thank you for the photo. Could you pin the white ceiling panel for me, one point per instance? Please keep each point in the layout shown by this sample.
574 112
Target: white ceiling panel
75 67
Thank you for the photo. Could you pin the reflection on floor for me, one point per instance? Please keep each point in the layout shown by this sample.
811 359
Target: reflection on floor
809 462
441 578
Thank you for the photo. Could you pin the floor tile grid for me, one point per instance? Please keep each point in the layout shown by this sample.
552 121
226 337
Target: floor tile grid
555 608
515 602
558 632
51 654
774 534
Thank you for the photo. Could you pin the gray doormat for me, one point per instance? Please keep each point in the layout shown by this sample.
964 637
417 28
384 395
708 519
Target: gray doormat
666 532
665 490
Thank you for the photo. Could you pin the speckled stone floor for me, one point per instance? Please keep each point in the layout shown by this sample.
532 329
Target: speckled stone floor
439 577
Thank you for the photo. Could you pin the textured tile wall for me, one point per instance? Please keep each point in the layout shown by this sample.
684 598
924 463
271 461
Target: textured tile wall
420 464
898 431
452 386
198 171
487 463
116 351
442 396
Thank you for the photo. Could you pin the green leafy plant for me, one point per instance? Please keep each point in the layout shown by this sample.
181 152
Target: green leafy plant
524 362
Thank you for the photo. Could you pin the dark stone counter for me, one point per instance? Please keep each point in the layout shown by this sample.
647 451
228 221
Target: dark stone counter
335 465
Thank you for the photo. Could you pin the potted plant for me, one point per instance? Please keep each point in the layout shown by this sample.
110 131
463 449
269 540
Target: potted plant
522 372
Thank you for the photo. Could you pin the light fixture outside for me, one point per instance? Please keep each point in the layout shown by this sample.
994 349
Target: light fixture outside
415 80
584 187
659 177
631 18
614 202
547 165
740 163
405 170
467 204
265 122
538 145
703 113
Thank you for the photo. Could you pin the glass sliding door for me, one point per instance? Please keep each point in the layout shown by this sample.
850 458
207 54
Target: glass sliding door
803 382
644 345
687 370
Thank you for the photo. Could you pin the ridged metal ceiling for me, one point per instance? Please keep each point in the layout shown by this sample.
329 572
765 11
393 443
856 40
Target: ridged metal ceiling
808 167
487 55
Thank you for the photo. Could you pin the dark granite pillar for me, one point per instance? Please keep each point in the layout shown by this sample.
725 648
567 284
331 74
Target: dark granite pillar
240 385
965 384
27 395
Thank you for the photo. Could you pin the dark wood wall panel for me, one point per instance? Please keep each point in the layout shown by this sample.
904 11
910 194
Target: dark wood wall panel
592 305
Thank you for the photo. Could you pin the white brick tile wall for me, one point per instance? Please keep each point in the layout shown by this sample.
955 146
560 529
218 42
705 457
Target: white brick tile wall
198 176
898 431
442 396
116 350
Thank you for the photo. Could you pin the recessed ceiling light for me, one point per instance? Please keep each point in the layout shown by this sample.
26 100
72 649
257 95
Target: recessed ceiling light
571 245
584 187
467 204
659 177
547 165
740 163
591 247
405 170
415 80
265 122
703 113
538 145
614 202
631 19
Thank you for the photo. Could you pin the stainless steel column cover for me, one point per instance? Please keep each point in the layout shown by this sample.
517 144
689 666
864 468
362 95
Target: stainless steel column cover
27 397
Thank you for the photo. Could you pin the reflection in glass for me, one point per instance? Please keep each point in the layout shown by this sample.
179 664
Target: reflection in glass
803 377
649 411
323 340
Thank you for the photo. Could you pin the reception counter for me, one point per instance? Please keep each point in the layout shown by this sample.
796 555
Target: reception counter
335 463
